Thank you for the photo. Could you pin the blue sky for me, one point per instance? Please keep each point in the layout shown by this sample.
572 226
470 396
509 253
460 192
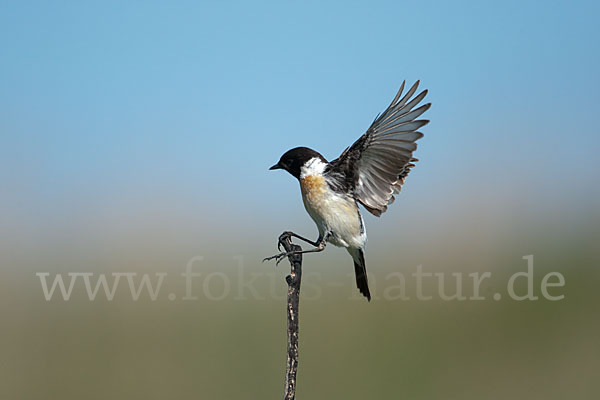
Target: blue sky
108 103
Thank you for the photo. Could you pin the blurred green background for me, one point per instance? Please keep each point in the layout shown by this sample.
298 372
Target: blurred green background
135 137
235 346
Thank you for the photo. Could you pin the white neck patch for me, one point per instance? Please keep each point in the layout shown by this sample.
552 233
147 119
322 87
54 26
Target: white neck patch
314 166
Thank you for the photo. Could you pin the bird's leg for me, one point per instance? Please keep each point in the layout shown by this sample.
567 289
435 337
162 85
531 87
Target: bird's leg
319 246
287 235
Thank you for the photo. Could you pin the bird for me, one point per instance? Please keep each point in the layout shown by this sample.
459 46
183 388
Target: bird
370 172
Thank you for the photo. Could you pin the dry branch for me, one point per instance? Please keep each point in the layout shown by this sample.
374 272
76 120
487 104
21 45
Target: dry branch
293 300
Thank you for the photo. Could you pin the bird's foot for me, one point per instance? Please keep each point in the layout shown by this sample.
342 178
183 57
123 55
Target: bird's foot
283 238
278 257
287 235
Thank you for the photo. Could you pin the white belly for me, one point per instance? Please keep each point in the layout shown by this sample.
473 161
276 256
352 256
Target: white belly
333 213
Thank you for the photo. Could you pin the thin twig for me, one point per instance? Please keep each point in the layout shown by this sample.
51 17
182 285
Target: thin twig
293 300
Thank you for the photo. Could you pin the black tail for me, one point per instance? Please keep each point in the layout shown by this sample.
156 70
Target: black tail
360 269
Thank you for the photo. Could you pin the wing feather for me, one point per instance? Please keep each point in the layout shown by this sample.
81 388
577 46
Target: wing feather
376 165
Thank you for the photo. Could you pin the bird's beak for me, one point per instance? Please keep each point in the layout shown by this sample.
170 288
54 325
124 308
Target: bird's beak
276 166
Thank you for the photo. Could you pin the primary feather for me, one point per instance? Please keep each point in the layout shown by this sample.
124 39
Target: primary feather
375 166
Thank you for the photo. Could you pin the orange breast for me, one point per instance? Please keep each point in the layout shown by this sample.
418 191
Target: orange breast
313 186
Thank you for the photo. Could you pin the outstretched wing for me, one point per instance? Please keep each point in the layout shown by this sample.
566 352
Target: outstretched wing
375 166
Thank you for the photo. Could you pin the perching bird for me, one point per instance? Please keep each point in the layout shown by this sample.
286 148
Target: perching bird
369 172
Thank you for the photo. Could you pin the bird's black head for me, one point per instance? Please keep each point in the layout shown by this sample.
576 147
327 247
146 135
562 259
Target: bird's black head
292 160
